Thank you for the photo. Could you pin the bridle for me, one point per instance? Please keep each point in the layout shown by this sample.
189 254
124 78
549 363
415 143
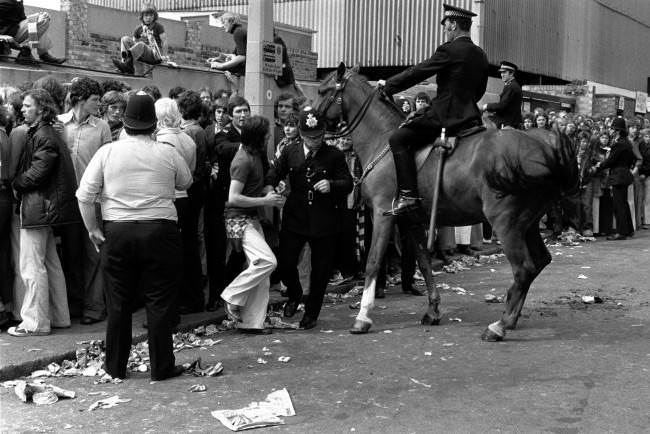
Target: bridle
337 98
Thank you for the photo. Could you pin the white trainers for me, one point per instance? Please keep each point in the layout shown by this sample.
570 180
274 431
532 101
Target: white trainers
21 332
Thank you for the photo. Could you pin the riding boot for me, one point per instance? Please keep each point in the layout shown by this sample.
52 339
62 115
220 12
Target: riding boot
407 199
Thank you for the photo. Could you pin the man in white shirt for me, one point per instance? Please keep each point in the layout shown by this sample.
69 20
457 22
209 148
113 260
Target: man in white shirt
135 179
84 133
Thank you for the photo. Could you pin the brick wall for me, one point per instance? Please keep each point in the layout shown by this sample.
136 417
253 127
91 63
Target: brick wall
607 105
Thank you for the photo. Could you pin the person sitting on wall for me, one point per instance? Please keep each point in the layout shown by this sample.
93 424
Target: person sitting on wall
22 32
148 44
235 63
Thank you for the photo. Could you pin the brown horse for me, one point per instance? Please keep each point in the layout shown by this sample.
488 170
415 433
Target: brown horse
506 177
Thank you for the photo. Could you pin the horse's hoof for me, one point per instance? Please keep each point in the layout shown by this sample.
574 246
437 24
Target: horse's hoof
429 320
490 336
360 327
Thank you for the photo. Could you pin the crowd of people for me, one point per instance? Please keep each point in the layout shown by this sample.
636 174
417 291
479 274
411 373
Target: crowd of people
613 154
114 198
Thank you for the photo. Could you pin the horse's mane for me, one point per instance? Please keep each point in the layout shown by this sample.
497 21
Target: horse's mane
511 178
362 81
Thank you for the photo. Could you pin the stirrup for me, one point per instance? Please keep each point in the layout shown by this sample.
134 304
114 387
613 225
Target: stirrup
397 210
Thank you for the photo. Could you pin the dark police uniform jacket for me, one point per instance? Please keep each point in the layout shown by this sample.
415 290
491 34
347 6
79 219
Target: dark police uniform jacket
308 212
507 112
461 69
620 161
225 146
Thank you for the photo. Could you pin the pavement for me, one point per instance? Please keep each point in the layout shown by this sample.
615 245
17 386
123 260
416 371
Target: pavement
21 356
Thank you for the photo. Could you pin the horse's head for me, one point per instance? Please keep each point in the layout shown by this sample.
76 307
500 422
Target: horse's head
332 98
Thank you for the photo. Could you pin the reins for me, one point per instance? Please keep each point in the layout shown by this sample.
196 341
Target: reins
354 123
372 165
358 117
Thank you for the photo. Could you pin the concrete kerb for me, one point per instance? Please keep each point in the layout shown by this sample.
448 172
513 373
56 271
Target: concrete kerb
25 368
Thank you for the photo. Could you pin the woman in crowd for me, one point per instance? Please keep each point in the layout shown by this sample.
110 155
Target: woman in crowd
541 121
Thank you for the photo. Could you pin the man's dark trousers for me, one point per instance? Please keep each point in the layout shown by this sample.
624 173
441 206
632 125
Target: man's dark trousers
189 209
141 255
322 258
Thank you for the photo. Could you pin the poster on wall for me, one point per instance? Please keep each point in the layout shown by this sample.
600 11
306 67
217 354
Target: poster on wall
641 102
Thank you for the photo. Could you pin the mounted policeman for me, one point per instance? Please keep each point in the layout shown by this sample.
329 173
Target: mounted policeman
461 69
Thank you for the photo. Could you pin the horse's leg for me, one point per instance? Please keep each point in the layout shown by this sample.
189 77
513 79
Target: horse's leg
541 258
381 230
512 232
418 236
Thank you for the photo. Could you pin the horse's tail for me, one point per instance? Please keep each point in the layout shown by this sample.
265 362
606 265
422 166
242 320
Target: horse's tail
560 176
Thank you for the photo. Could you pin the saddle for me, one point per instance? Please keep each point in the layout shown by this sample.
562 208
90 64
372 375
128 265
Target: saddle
448 145
442 146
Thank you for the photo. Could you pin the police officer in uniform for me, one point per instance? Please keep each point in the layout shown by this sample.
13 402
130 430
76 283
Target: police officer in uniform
319 180
461 70
507 112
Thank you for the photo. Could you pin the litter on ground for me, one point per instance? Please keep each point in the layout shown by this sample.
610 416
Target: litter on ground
258 414
108 402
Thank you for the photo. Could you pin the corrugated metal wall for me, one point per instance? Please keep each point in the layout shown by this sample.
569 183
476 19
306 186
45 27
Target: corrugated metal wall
393 32
598 40
368 32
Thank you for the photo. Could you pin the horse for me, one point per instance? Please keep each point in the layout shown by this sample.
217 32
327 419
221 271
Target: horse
508 178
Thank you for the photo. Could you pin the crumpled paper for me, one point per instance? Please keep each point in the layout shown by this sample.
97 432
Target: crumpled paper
354 292
276 322
108 402
38 391
196 338
197 370
258 414
491 298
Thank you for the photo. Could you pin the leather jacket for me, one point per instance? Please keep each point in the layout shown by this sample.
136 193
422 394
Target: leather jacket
46 181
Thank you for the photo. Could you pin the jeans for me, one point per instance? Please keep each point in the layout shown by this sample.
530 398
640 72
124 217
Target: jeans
46 302
6 273
44 42
81 265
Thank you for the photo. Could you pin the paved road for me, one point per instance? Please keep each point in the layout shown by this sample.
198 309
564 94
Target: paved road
569 367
